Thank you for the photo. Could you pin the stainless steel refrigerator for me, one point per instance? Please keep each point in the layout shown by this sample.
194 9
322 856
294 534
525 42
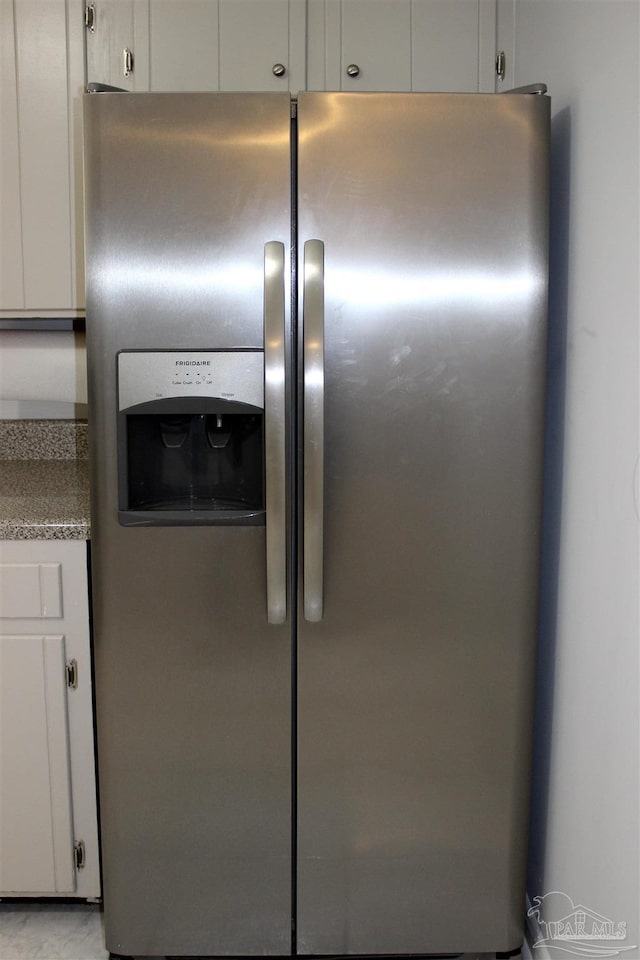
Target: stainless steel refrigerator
316 336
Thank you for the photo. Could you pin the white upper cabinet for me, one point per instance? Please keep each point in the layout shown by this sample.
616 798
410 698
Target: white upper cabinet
359 45
444 45
262 45
117 37
11 279
42 74
424 45
184 45
184 41
275 45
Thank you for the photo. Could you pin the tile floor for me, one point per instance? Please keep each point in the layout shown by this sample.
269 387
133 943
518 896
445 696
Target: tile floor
51 931
64 931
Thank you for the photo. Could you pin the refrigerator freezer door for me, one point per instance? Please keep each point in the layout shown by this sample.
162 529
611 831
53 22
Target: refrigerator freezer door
415 689
193 685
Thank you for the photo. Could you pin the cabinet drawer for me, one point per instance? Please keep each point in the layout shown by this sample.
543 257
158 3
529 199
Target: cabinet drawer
30 590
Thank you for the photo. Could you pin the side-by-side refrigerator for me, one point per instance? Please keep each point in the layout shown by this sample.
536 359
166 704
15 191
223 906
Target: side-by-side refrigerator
316 337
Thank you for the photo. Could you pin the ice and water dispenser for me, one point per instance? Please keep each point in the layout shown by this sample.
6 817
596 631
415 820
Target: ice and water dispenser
190 437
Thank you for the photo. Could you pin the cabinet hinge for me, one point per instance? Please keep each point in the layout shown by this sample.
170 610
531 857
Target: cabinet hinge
79 854
501 66
127 62
72 674
90 17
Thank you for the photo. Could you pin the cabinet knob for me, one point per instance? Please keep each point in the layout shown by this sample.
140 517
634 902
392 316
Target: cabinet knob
353 70
279 69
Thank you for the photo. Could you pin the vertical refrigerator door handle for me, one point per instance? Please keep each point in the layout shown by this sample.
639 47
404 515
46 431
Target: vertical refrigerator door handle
313 353
274 432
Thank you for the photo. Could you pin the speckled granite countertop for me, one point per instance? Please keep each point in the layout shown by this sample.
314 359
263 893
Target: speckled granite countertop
44 484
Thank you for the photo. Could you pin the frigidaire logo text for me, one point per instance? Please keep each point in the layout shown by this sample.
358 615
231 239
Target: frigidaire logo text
193 363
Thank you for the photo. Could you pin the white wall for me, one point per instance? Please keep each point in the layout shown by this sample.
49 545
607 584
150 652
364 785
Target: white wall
42 374
584 838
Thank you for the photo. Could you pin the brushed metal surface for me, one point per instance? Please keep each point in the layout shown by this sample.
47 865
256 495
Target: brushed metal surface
275 432
415 689
156 375
186 243
192 684
313 442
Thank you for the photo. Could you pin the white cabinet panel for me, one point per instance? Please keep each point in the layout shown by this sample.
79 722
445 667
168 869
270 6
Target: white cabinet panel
487 46
30 590
119 26
47 767
255 35
235 44
505 31
42 78
423 45
36 837
376 37
11 292
123 43
98 43
75 92
444 45
183 45
45 175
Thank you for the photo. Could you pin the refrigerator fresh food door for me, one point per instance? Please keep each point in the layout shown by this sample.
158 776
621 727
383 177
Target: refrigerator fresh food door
188 230
416 632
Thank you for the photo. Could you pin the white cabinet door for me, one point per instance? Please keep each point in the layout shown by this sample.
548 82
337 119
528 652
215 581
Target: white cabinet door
227 45
117 43
11 281
245 45
183 45
505 41
47 763
257 39
36 833
422 45
375 40
359 45
42 79
444 45
30 590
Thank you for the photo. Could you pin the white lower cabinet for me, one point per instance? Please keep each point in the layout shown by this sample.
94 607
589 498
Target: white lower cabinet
48 811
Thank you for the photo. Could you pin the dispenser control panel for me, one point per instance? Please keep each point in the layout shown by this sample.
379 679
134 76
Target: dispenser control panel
145 375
